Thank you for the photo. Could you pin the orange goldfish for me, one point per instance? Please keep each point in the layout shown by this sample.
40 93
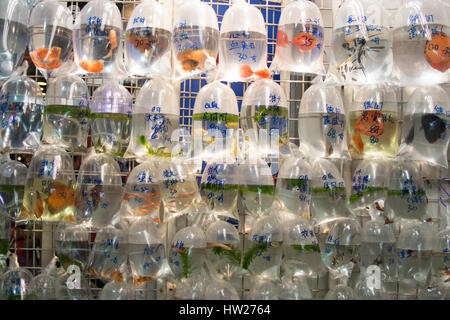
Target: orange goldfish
60 196
282 39
192 59
369 123
437 52
47 58
305 42
92 65
112 43
246 72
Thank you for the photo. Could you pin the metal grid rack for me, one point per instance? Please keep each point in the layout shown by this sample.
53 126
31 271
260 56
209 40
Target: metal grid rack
36 240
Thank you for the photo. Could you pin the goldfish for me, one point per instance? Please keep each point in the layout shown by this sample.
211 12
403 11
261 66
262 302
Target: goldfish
246 72
369 123
60 196
221 245
437 52
142 280
47 58
305 42
112 43
94 66
282 39
192 59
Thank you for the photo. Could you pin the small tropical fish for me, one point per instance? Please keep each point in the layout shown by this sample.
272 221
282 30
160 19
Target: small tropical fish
282 39
39 206
305 42
192 59
47 58
433 126
437 51
112 43
370 123
116 275
94 66
246 72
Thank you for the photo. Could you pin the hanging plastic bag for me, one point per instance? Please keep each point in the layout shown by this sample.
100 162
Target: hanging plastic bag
108 254
142 193
425 122
13 175
256 189
148 40
50 186
16 282
187 253
50 34
414 248
301 250
374 128
377 259
361 43
44 285
441 257
264 117
321 123
407 198
13 36
300 39
179 188
155 121
293 186
263 257
66 113
99 190
97 39
370 184
195 39
219 188
224 252
420 43
21 101
73 243
215 122
242 44
111 118
146 251
341 252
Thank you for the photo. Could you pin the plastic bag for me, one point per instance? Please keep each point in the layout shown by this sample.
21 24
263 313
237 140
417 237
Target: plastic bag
148 40
99 190
97 36
300 39
242 44
361 43
111 118
146 251
370 184
264 117
50 34
66 113
374 127
215 121
142 193
22 102
420 43
195 39
407 198
321 124
14 16
16 282
72 246
13 175
50 186
179 188
155 122
219 188
425 123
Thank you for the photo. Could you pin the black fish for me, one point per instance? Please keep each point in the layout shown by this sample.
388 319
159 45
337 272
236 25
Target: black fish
410 136
433 126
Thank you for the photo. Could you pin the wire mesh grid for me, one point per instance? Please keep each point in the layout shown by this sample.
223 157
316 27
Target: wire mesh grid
36 241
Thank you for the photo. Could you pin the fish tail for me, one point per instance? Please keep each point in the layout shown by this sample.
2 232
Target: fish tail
263 74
